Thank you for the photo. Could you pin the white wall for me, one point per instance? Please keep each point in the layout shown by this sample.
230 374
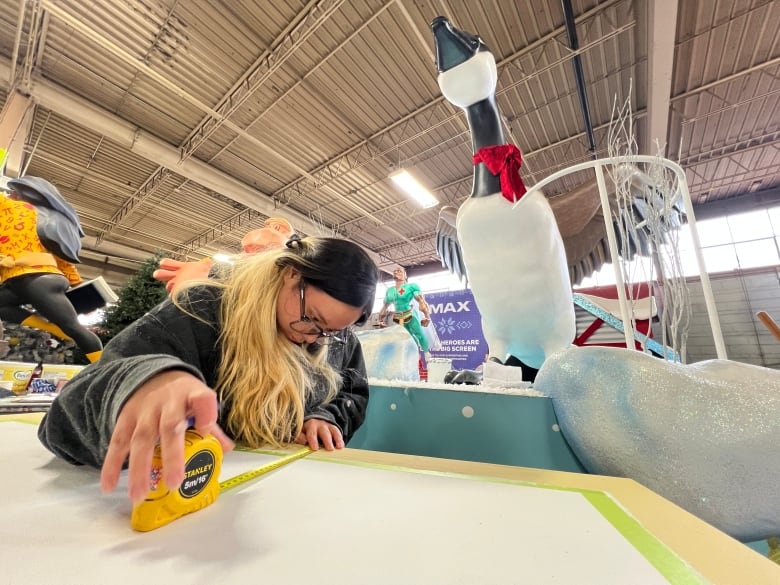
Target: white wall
738 297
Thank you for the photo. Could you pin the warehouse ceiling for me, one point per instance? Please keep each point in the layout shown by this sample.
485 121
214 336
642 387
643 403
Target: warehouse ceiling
178 126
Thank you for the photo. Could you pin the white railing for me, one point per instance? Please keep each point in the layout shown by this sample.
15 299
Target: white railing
598 167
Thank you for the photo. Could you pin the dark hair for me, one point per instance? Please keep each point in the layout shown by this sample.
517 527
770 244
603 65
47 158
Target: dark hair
339 268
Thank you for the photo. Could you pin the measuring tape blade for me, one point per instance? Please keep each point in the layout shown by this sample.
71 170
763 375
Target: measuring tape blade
241 478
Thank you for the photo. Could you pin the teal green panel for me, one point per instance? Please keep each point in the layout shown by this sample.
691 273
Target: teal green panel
760 546
504 429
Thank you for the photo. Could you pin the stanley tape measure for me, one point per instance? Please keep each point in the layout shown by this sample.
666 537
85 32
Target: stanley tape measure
200 487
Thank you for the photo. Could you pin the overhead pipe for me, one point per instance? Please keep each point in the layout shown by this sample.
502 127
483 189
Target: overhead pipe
579 76
65 103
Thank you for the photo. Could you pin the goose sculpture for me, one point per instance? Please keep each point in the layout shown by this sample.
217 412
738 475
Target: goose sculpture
698 434
508 241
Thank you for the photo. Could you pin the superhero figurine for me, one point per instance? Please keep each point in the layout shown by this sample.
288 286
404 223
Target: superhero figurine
401 296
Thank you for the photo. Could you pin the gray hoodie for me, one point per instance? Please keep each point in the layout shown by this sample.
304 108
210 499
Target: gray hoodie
79 424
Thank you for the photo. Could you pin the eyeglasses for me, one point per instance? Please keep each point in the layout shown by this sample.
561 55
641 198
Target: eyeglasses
306 326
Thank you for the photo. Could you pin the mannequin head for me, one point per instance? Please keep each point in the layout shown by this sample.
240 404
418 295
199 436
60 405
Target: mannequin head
274 233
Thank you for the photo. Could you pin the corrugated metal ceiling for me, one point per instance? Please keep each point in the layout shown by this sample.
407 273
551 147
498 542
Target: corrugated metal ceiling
180 125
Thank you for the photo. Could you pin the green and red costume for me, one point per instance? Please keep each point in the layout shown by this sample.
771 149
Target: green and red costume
401 298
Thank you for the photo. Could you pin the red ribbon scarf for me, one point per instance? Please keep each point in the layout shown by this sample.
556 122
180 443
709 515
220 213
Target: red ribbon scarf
507 160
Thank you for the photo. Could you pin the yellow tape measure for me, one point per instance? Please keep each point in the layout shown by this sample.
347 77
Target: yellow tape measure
237 480
203 464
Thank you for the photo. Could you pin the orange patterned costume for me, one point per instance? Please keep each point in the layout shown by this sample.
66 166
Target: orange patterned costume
21 251
39 238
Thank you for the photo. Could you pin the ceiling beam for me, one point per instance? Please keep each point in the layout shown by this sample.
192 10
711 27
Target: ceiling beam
15 123
124 56
662 21
69 105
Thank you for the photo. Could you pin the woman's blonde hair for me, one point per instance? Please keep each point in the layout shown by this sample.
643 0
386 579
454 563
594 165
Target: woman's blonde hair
265 380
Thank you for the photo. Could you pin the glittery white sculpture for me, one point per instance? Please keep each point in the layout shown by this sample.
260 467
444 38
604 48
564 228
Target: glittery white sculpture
390 354
700 435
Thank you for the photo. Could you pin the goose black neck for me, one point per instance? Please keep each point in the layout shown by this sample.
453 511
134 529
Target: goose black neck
485 127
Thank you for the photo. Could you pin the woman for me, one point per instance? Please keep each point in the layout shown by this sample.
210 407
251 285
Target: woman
246 354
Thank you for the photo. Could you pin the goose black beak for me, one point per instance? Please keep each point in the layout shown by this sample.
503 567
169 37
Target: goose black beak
453 46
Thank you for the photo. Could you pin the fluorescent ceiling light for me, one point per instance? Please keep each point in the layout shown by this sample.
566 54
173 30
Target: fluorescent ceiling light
220 257
413 188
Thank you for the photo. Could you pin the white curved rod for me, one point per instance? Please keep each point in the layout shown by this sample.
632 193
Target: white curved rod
709 299
625 311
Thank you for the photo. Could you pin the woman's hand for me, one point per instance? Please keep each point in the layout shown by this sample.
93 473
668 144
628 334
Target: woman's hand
158 411
316 430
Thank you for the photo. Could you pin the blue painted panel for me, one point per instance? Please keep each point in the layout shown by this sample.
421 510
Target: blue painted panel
505 429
